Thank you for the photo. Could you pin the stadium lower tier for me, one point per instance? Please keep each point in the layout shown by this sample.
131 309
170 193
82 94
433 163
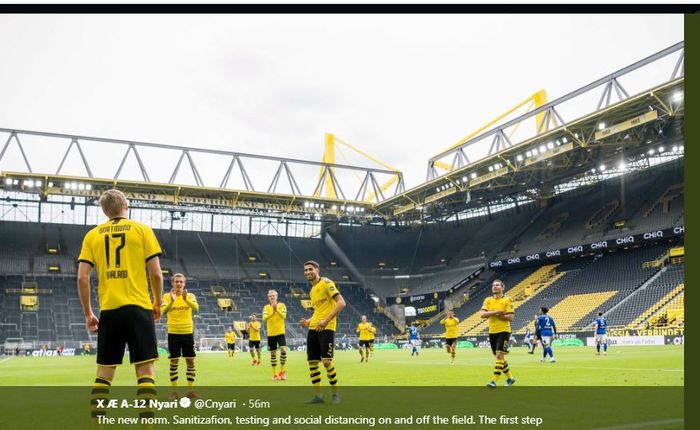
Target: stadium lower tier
53 316
637 288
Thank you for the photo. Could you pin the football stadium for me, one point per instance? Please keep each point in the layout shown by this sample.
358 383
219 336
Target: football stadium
574 206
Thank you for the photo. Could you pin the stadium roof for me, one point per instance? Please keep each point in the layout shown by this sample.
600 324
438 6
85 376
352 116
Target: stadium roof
626 134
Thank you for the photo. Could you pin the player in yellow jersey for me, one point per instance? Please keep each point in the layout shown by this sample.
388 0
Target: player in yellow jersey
500 311
230 338
178 306
327 303
451 333
365 330
274 315
372 333
125 254
254 339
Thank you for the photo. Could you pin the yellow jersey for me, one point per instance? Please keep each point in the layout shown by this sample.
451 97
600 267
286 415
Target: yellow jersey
230 337
450 324
179 313
119 250
254 330
372 331
365 330
323 301
497 325
274 319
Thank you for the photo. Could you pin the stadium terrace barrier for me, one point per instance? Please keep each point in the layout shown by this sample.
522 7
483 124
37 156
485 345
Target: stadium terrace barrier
430 304
668 336
620 242
426 304
666 331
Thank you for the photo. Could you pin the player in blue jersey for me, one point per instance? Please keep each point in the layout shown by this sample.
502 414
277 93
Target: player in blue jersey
601 334
527 341
536 339
414 338
547 328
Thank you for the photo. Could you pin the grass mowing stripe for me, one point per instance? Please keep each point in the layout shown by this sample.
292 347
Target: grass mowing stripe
642 425
559 366
661 365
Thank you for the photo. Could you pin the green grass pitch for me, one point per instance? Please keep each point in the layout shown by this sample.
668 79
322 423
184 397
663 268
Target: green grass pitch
623 366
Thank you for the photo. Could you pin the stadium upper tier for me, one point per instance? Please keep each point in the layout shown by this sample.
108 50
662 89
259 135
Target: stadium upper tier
643 202
624 205
433 254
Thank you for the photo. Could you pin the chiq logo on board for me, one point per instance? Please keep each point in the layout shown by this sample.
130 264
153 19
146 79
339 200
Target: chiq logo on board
625 240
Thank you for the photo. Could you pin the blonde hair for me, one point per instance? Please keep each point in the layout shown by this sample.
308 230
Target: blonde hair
178 275
272 291
113 203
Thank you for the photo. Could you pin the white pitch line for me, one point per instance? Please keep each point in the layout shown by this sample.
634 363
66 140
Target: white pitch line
641 369
543 365
643 424
6 359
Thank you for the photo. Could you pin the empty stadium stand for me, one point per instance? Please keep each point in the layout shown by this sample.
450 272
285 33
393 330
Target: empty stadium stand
591 285
648 201
636 287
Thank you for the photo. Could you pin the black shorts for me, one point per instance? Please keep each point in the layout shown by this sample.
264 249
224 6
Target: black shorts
254 344
128 325
365 343
319 344
499 341
276 341
538 335
371 342
231 346
451 341
181 345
